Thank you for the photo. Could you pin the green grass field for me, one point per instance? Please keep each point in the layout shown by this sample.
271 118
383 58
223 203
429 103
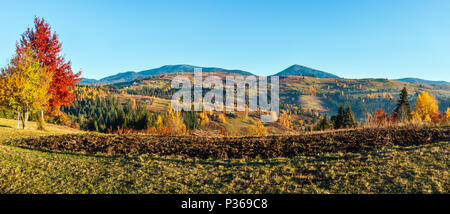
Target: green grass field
419 169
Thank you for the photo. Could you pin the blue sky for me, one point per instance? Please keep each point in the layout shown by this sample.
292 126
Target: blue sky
352 39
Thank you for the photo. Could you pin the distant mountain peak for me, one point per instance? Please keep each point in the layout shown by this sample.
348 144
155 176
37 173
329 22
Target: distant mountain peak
297 66
300 70
417 80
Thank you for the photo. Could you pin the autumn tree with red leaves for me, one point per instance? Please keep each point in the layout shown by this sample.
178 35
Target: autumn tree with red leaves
47 49
380 117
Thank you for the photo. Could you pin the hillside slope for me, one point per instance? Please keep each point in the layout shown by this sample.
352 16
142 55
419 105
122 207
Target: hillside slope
321 94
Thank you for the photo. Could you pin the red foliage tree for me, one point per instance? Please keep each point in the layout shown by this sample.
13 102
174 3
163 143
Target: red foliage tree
380 116
47 48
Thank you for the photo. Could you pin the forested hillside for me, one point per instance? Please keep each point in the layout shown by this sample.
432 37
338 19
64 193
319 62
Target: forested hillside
318 95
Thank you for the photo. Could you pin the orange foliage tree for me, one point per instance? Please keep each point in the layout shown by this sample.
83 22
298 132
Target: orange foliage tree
379 118
447 114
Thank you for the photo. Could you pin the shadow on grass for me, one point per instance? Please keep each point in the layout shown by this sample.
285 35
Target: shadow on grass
192 161
187 161
48 151
223 162
5 126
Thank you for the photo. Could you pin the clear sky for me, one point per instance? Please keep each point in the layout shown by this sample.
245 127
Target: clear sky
352 39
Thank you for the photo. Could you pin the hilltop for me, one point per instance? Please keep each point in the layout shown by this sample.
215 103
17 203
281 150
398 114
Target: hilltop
299 70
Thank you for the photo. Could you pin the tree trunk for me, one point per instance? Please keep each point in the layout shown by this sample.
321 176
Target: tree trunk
25 119
41 122
18 119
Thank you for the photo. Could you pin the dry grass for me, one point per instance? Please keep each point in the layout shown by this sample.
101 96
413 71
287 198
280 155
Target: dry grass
420 169
9 130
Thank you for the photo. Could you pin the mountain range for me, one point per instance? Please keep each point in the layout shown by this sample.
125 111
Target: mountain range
294 70
167 69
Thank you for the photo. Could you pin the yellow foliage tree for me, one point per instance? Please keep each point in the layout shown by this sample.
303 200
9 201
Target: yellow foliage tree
246 112
204 119
88 92
285 119
256 129
447 114
426 107
159 122
175 122
415 116
133 103
222 117
24 86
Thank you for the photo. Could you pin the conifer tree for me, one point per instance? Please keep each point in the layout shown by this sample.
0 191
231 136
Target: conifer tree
338 120
403 110
349 118
324 124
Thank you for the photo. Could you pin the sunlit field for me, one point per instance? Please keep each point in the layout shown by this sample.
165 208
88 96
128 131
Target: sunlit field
411 169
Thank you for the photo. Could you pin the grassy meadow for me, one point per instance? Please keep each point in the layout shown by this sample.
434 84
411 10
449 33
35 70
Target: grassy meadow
9 130
415 169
